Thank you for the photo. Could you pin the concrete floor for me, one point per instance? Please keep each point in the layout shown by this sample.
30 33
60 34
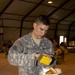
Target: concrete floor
67 67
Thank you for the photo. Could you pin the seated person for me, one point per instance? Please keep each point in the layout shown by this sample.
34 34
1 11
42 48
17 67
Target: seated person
59 54
64 47
58 50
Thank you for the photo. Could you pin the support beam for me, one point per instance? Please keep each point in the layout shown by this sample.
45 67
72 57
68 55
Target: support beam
62 20
69 30
6 7
27 15
58 8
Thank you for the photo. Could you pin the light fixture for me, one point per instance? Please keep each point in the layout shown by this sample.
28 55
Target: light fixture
50 1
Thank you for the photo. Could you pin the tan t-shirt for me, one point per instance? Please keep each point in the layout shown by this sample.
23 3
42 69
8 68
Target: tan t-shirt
37 41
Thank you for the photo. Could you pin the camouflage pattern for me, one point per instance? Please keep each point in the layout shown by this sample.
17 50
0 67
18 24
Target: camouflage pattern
22 53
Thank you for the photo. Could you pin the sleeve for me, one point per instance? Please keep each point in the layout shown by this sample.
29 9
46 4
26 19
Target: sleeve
52 54
16 56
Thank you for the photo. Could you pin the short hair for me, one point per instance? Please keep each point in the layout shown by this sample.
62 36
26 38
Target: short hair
43 19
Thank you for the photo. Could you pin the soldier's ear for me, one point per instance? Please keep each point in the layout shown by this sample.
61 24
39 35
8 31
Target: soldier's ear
34 25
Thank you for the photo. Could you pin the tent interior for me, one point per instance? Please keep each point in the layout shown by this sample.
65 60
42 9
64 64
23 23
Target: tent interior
17 17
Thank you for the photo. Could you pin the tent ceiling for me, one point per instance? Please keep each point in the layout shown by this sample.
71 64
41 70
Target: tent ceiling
60 12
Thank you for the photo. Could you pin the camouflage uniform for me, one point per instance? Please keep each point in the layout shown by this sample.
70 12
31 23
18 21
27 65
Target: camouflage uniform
22 52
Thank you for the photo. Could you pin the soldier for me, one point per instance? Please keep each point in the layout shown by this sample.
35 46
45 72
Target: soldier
25 50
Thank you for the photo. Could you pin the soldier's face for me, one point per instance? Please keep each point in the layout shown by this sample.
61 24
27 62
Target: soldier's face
40 30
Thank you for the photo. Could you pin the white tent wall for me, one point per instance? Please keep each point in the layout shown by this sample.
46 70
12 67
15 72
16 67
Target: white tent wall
11 23
28 26
72 34
62 30
11 34
26 31
0 22
50 34
17 17
11 29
